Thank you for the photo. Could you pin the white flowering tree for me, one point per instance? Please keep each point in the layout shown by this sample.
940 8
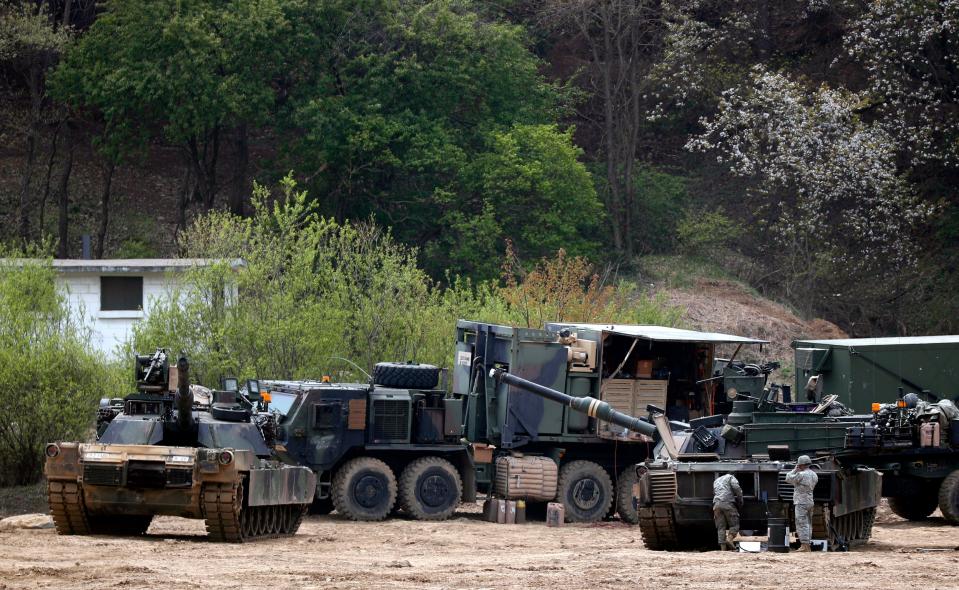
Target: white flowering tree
910 49
826 190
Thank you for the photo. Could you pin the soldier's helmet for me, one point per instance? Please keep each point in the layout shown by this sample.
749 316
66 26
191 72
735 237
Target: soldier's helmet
803 460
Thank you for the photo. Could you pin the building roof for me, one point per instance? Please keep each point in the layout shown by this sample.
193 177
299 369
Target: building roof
890 341
136 265
659 333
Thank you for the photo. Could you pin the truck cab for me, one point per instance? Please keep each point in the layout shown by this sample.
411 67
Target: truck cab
378 448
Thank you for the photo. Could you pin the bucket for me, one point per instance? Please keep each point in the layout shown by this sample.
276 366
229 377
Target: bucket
776 536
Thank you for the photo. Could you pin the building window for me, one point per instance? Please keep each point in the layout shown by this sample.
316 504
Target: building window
121 293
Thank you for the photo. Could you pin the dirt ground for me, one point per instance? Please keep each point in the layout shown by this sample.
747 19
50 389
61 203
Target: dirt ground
465 552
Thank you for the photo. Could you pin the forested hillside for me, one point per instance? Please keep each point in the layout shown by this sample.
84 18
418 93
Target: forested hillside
808 148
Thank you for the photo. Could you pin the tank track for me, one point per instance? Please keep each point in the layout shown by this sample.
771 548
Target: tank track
658 528
855 527
227 520
66 507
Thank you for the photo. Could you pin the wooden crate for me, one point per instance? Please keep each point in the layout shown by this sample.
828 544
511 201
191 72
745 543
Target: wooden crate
621 395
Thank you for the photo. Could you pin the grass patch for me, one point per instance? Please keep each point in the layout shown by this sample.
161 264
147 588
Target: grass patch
28 499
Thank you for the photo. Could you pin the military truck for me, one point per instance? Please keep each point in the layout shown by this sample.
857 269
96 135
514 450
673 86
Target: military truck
628 367
390 445
161 452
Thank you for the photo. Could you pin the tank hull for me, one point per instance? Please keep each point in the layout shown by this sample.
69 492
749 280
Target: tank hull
91 485
675 501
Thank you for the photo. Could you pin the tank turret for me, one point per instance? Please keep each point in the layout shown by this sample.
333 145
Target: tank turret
590 406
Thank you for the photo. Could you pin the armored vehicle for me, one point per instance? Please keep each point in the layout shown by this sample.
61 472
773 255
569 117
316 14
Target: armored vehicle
161 452
393 444
628 367
916 446
673 490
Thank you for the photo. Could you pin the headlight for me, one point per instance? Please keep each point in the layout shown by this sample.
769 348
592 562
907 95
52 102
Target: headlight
52 450
225 457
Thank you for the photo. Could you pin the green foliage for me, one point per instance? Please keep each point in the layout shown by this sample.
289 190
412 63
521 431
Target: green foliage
50 381
706 233
310 289
182 68
26 34
529 188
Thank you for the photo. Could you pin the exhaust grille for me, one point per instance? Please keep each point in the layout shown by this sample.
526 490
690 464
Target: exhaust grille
391 419
102 475
662 486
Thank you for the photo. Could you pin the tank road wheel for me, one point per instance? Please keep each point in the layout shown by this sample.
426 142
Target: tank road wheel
658 527
628 512
585 491
917 507
67 509
949 497
364 489
430 489
406 375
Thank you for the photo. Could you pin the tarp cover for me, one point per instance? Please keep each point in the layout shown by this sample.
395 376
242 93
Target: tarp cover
658 333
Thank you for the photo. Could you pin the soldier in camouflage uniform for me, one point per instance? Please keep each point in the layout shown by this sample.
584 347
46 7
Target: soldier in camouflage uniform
726 495
803 480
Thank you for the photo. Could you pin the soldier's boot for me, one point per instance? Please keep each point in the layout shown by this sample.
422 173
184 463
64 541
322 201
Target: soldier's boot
723 547
804 548
730 538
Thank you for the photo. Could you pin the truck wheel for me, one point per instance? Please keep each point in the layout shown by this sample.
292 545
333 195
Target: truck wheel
430 489
364 489
406 375
628 512
914 508
585 491
949 497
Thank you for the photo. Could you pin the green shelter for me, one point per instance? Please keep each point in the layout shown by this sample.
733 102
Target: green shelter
866 370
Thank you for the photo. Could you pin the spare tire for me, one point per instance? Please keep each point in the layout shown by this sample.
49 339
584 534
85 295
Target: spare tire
406 375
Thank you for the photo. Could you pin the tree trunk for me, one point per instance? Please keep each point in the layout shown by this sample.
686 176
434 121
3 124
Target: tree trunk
238 195
104 208
63 248
23 213
67 5
49 173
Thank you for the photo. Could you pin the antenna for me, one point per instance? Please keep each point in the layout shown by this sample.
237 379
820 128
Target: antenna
356 366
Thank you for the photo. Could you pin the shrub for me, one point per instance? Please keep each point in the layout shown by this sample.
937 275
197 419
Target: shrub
50 379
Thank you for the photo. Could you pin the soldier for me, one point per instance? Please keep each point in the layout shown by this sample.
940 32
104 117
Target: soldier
726 496
803 480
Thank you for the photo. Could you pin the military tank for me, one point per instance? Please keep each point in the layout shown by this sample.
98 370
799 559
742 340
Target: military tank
161 452
673 490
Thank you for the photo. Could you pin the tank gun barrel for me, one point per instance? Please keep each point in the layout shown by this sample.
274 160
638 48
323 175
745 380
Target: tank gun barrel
587 405
184 397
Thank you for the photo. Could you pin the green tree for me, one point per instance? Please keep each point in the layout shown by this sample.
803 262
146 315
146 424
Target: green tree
529 187
195 73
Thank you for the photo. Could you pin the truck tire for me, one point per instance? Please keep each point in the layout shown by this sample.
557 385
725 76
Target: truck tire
949 497
364 489
914 508
406 375
628 512
585 491
430 489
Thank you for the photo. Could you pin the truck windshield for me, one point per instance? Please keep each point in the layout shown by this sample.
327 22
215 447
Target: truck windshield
281 402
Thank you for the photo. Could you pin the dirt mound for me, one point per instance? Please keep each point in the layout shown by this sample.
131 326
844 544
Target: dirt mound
726 306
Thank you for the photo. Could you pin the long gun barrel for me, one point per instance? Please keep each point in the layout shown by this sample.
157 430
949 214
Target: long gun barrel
587 405
184 397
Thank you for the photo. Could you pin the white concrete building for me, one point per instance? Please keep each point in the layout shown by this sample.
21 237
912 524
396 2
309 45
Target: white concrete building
113 295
